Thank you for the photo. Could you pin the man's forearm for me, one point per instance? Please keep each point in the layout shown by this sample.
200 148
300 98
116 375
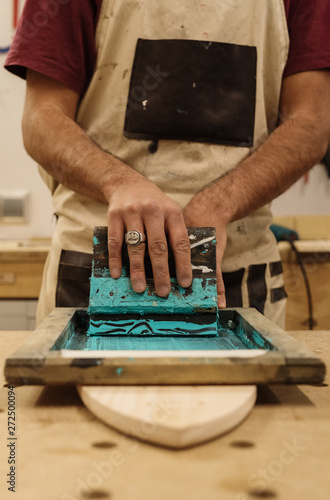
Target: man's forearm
292 149
289 152
52 138
298 143
57 143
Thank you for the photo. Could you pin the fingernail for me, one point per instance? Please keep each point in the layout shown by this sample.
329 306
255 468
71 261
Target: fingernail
185 282
163 291
139 287
115 273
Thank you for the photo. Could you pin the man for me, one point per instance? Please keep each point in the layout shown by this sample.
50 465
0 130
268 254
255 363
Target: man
155 117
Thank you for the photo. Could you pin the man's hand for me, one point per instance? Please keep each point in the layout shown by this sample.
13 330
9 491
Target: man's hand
289 152
140 205
53 139
198 213
56 142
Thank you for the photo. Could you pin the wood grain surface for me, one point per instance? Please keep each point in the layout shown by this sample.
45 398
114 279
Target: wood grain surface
179 416
281 451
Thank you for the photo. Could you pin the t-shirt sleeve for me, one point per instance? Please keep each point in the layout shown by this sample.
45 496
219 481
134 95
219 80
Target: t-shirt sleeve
308 24
56 39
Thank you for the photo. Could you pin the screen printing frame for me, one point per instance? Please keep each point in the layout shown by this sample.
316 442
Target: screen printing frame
37 363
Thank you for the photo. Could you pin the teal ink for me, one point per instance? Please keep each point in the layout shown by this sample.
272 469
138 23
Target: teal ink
119 371
110 296
155 343
182 325
242 336
159 344
116 298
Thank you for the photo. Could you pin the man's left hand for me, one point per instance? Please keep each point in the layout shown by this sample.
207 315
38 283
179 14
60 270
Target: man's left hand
198 213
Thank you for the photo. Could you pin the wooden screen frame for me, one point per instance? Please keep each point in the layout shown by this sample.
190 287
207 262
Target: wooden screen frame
36 363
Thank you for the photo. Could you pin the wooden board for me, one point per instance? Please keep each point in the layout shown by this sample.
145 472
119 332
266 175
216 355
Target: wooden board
173 416
41 361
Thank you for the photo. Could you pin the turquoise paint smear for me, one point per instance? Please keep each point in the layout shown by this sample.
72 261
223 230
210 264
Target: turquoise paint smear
251 336
96 241
149 326
240 336
109 296
164 343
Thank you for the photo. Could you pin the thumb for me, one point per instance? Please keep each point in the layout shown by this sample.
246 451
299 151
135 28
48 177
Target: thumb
220 289
221 244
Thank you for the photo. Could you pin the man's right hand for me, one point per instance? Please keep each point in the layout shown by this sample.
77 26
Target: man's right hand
55 141
137 204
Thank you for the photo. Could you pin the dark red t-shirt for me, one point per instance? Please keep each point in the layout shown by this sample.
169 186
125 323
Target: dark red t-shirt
36 44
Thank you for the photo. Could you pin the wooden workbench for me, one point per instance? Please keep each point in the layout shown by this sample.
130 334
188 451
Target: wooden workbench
21 268
315 256
281 451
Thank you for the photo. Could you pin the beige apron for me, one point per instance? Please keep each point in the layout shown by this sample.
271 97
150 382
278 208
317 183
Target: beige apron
180 168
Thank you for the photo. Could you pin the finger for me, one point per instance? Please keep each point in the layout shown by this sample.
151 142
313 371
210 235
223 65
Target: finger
220 283
158 252
221 291
115 241
180 245
136 260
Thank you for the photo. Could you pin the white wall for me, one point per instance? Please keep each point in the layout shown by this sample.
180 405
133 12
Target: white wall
18 171
311 198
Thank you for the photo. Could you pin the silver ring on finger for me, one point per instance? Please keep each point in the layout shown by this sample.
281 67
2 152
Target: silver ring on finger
134 238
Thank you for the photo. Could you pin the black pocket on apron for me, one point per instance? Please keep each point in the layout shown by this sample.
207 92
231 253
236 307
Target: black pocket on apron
74 271
192 90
